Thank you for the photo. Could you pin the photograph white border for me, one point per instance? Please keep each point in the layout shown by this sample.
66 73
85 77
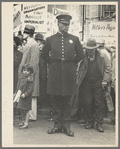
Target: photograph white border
7 73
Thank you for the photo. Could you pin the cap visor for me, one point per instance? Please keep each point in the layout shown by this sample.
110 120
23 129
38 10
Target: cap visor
65 22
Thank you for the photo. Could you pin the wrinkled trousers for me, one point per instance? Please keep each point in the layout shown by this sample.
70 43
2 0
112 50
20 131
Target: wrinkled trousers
93 95
62 111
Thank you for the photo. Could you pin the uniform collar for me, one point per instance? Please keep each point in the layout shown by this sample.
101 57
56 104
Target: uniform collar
60 34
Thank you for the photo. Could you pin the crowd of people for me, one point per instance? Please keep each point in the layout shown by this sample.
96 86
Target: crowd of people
74 76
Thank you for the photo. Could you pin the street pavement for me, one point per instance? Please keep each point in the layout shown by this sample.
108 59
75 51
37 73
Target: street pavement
36 135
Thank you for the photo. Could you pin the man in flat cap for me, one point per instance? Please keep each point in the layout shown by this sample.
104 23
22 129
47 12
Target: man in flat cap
31 56
94 74
62 52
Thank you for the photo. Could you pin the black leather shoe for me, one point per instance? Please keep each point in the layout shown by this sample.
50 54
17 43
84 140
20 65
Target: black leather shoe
89 126
54 130
68 132
99 127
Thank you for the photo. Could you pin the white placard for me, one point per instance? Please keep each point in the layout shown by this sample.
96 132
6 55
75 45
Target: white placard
104 30
35 15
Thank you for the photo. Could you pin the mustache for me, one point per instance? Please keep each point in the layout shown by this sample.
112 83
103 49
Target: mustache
91 56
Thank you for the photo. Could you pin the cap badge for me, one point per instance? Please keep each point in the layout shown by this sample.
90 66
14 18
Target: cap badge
70 41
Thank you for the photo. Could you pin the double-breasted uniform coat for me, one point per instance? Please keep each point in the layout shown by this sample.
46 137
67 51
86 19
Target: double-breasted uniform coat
62 73
31 56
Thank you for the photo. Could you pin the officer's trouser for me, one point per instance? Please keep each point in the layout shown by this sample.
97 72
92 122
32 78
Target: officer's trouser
93 96
62 111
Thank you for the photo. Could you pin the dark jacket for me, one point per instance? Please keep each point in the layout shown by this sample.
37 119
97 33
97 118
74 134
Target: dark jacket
62 74
25 85
104 66
17 60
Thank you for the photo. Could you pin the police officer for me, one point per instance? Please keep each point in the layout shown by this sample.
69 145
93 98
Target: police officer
62 52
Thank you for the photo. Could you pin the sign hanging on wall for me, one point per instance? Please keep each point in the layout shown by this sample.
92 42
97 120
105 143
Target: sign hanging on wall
104 30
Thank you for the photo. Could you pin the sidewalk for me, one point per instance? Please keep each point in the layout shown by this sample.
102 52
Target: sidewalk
37 134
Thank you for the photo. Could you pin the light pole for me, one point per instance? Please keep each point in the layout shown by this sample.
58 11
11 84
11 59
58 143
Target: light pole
83 25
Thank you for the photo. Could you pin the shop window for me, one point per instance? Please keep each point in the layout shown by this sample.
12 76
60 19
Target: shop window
108 10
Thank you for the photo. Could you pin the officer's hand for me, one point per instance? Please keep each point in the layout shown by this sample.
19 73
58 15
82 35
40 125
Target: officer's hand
104 84
23 96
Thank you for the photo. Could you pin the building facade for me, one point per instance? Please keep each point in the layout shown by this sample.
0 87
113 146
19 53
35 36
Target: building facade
83 17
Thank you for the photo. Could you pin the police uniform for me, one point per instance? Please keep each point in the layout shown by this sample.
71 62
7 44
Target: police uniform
62 52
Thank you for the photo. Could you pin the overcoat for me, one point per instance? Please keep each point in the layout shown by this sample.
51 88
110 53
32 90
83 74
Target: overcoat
25 85
42 79
104 66
31 56
17 61
62 73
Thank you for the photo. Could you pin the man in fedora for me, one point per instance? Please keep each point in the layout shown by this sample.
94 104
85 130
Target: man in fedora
94 74
65 52
31 56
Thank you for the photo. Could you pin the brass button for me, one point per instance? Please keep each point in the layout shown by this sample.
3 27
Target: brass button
62 59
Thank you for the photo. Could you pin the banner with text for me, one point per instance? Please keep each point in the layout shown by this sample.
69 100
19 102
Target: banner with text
104 30
36 15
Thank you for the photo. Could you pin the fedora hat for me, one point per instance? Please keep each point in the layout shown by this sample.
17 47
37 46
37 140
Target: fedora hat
91 44
64 18
39 37
29 29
